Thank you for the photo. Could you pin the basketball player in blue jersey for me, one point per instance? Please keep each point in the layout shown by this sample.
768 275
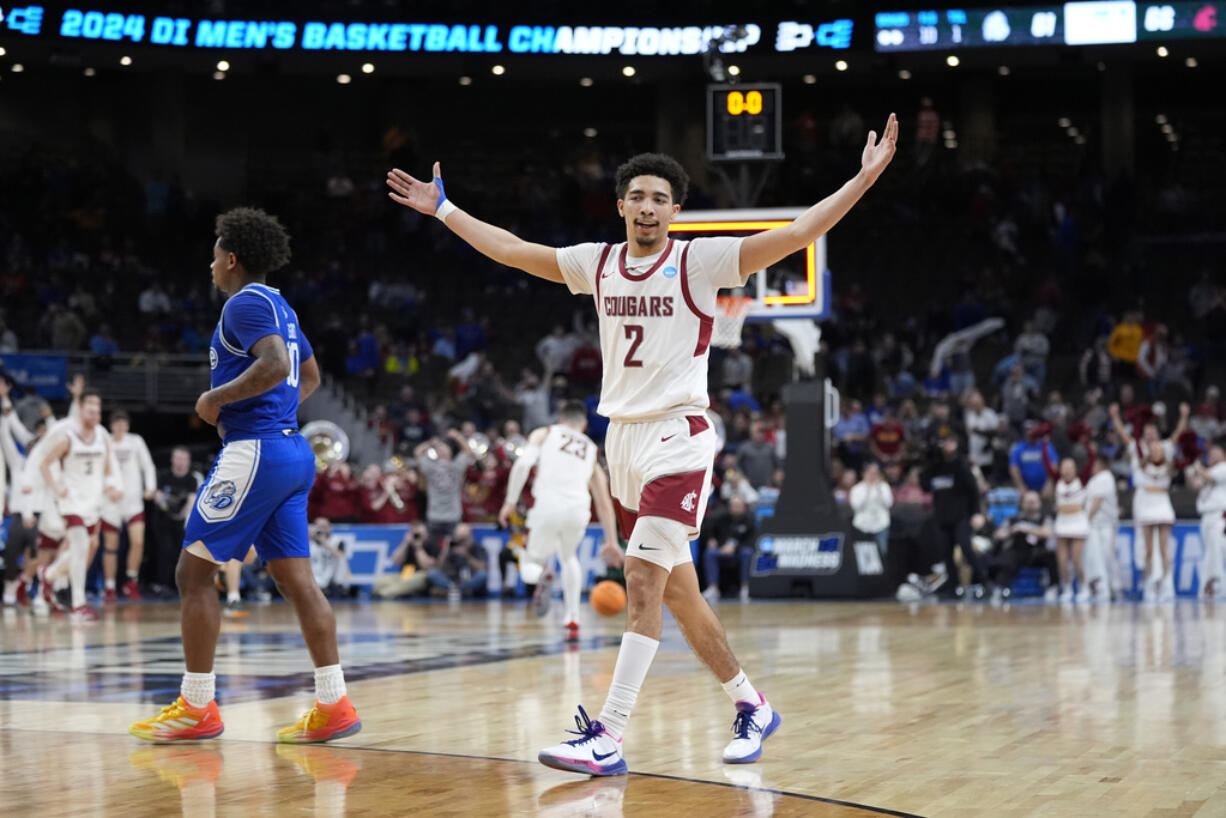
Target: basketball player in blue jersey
655 301
262 368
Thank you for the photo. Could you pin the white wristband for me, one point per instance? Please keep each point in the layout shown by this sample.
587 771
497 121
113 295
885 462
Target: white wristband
444 210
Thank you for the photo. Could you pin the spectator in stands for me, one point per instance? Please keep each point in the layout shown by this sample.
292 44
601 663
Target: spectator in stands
1031 348
843 485
413 558
1026 467
757 457
554 351
328 561
387 499
851 434
8 338
469 334
941 425
1015 396
153 300
871 500
485 488
729 538
398 410
738 370
102 343
955 499
911 420
532 395
1095 365
443 463
462 570
444 345
1021 542
336 495
585 366
66 328
887 439
415 430
1125 345
734 483
927 129
1206 419
982 424
1152 360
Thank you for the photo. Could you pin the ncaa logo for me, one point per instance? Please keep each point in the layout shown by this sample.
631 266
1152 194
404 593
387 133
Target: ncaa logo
670 271
221 495
212 358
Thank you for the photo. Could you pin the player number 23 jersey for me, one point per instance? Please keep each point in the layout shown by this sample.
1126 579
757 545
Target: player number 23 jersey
564 469
655 316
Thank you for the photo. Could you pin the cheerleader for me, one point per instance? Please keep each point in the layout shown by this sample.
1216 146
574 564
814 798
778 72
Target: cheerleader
1153 460
1211 504
1100 556
1072 525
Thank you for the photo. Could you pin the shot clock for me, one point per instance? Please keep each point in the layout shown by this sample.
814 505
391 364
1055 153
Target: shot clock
744 122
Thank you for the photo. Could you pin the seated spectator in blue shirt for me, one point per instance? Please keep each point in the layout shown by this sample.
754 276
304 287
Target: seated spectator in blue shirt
851 432
1026 462
102 343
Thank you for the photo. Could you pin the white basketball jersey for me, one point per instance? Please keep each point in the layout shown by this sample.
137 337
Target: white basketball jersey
655 315
564 469
1103 485
84 471
39 496
135 465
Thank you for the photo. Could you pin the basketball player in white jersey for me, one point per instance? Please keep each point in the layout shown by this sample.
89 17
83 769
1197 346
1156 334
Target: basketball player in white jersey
568 480
655 299
37 505
1104 511
82 448
1211 505
139 479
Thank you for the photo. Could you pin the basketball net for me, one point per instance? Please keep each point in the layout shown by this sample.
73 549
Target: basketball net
730 312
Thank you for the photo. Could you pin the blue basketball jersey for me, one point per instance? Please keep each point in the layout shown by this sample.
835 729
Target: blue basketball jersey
250 314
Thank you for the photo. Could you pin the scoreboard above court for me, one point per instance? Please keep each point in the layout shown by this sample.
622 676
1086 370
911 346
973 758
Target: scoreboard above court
744 122
1095 22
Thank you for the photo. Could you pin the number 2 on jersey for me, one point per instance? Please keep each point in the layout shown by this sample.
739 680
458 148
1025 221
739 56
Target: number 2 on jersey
634 332
294 367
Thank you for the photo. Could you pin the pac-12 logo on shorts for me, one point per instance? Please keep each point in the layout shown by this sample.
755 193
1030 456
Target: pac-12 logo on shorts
220 495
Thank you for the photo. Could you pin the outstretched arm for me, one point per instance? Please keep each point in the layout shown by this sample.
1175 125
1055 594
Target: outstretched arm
519 473
761 250
501 245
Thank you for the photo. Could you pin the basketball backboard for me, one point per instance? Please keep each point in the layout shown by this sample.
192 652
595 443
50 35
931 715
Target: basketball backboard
797 287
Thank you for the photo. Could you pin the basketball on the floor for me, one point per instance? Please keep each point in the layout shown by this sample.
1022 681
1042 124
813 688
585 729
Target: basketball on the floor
608 598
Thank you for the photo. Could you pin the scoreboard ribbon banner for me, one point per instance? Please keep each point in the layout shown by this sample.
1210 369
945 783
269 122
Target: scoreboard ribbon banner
329 35
1100 22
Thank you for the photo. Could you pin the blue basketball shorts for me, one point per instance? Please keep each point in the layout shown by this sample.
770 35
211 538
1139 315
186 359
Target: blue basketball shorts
256 494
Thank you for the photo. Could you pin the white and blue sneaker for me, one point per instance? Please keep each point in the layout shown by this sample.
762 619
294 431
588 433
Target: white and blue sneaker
595 752
753 725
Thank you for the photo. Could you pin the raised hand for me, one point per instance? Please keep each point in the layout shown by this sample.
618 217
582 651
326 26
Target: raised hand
877 154
424 197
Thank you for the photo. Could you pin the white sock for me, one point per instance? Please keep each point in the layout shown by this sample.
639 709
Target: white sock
197 689
10 591
329 684
233 596
633 662
739 689
132 575
59 566
572 587
109 584
78 563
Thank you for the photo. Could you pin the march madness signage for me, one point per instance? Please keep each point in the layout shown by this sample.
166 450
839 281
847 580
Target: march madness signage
805 554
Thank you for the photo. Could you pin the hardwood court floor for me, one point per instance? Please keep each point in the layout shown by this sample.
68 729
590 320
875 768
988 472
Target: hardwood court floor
936 711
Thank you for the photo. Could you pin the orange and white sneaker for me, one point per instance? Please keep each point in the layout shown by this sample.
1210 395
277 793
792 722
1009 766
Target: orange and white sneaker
181 722
323 722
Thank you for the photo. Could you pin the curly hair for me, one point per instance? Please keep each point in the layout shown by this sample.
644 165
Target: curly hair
255 237
654 164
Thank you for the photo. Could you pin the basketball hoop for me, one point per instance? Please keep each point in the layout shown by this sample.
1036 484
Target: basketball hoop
730 312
